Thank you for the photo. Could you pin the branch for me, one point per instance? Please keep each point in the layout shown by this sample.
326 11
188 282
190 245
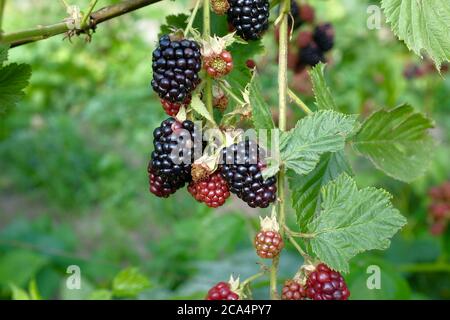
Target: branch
19 38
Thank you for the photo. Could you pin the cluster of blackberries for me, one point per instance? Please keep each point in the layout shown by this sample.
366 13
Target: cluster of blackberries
321 284
439 209
174 152
241 167
250 18
176 64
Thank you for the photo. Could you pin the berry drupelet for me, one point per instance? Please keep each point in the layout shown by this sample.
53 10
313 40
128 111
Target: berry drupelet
250 18
241 166
293 290
174 150
176 64
172 108
213 191
326 284
222 291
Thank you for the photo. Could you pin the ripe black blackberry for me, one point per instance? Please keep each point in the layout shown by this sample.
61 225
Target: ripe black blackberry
176 64
324 36
174 150
241 166
310 55
250 18
162 187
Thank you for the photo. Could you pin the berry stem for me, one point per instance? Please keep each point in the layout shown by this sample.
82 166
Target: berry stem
299 234
192 18
86 17
299 102
282 105
206 35
252 278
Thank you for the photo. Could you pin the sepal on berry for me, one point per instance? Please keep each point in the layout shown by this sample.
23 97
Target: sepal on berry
220 7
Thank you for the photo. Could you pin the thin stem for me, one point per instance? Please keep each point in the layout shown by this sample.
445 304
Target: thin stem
299 234
252 278
84 22
192 18
206 35
22 37
282 105
299 102
297 246
2 10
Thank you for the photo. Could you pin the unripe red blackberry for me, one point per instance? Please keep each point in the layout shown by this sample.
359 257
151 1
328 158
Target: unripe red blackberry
162 187
218 65
241 166
172 108
213 191
250 63
324 36
220 7
293 290
307 13
326 284
310 55
222 291
250 18
176 64
439 210
175 149
304 38
268 241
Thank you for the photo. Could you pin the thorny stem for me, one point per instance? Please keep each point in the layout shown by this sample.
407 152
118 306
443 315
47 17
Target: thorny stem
206 35
192 18
299 102
22 37
282 105
87 15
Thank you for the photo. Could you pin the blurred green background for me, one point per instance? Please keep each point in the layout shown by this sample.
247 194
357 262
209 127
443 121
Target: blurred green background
73 157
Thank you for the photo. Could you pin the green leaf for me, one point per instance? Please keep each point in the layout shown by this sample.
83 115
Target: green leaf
352 221
18 293
34 291
178 21
305 190
13 79
321 132
422 24
20 266
324 98
198 106
3 53
261 115
397 142
129 283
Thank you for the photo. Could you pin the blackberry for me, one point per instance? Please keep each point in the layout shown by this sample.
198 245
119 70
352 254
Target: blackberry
324 36
310 55
162 187
174 148
213 191
176 64
293 290
222 291
250 18
241 166
326 284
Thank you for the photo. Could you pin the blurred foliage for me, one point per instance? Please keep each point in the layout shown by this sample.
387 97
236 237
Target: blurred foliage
73 156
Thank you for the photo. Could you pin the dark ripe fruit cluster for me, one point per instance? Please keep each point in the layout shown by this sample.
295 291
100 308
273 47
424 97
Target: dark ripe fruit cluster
324 36
268 244
326 284
241 166
439 209
250 18
218 65
221 291
213 191
175 68
172 108
174 150
292 290
310 55
163 187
